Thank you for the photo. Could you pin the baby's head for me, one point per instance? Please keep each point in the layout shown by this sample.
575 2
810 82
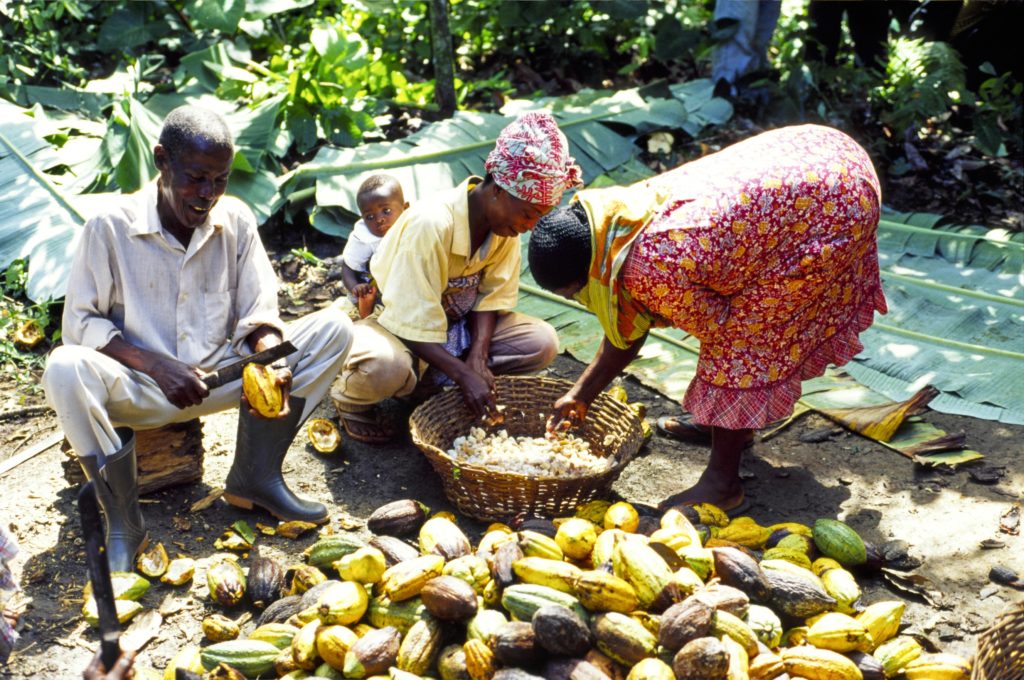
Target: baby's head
380 201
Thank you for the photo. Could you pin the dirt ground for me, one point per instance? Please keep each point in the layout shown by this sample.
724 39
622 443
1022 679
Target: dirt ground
942 515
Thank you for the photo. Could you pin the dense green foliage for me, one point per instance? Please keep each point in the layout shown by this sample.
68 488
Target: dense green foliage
301 80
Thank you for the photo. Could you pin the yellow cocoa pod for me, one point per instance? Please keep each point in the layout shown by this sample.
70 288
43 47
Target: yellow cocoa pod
342 604
303 647
676 539
766 666
179 571
739 659
819 664
333 643
644 568
576 537
323 435
219 628
545 572
492 539
153 562
259 383
604 547
599 591
745 531
712 515
789 555
838 632
882 620
938 667
29 334
843 588
792 527
802 544
895 654
479 660
406 579
822 564
126 610
651 669
366 565
187 659
594 512
623 516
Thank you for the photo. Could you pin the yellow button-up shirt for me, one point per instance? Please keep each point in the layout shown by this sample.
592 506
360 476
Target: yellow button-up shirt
132 278
423 250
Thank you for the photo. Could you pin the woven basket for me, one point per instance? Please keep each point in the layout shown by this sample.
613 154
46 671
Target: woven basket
1001 648
490 495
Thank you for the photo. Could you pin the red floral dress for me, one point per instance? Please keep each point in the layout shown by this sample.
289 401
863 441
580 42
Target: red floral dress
766 253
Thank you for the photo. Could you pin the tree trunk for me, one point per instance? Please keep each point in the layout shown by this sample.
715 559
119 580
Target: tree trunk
444 60
167 456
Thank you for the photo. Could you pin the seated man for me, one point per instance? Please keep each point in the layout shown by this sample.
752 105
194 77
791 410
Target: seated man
448 273
170 283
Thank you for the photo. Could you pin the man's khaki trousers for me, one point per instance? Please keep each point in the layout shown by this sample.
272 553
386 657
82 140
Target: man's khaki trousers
92 393
381 366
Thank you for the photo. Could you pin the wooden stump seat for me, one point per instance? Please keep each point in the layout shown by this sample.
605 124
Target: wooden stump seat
167 456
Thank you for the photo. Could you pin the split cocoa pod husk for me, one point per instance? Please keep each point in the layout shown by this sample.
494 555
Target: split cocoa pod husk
259 383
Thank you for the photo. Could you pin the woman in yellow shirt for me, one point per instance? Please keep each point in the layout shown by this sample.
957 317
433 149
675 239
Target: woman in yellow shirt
448 273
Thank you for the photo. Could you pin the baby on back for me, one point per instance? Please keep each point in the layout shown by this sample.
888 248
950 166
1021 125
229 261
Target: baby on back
380 201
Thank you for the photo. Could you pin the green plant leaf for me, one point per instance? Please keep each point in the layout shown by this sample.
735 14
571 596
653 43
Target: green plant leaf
257 189
202 64
672 40
37 220
135 167
128 27
261 9
222 15
63 98
442 154
703 108
987 136
956 309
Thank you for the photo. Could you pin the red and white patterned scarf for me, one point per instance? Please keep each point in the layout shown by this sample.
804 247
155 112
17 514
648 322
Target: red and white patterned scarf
531 160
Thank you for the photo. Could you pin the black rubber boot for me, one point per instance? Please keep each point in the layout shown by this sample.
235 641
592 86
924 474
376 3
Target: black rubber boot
255 476
117 489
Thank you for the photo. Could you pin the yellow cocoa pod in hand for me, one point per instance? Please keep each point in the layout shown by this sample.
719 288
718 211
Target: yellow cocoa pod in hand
259 383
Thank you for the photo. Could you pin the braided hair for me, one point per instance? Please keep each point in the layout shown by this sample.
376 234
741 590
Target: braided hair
560 249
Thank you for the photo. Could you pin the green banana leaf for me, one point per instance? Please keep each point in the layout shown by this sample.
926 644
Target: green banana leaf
443 154
600 126
956 317
41 211
37 220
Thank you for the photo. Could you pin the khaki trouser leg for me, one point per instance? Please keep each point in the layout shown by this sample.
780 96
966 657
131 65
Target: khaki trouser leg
379 366
92 393
521 345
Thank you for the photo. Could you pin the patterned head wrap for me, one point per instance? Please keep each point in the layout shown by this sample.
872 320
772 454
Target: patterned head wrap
531 160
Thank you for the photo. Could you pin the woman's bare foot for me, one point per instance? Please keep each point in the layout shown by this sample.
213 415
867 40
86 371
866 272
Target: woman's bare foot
727 495
720 483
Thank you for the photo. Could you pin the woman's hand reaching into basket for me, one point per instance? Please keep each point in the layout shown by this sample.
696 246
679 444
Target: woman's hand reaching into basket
570 412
